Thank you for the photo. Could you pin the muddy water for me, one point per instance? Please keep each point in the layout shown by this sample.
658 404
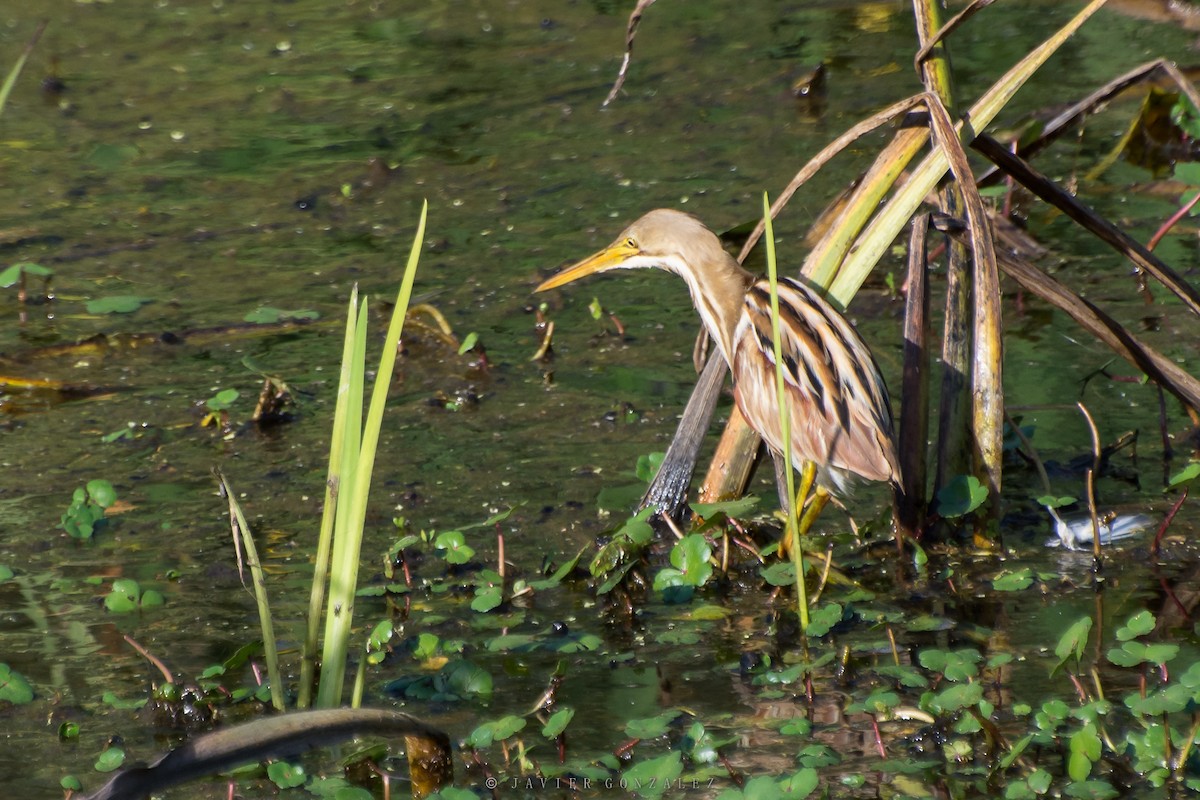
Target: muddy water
213 158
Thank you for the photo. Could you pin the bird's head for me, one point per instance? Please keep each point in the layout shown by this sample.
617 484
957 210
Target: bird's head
665 238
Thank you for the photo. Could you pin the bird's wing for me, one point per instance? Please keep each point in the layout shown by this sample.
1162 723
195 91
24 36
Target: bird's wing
840 414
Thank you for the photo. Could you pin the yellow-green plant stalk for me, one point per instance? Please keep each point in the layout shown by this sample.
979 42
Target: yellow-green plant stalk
359 461
10 80
270 652
333 483
886 225
785 423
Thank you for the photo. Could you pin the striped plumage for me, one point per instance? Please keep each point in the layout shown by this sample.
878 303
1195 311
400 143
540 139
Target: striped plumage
840 416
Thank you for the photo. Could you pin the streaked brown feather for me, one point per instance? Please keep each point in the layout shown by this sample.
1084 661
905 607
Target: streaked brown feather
840 417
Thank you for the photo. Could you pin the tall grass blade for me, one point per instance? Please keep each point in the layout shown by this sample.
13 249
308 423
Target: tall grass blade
785 422
348 538
892 218
333 483
10 80
270 652
343 567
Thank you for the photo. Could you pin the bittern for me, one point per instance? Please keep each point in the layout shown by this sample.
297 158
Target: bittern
840 416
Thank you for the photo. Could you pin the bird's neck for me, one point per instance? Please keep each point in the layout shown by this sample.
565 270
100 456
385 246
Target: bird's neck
718 294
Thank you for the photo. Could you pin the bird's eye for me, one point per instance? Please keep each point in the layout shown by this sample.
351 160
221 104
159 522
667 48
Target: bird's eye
631 243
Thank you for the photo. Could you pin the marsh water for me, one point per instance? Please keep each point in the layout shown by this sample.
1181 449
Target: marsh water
217 157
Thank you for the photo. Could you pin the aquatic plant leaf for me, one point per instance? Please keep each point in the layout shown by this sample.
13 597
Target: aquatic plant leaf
799 784
797 726
1165 701
782 573
614 578
1014 753
327 787
559 574
70 783
285 775
111 156
468 343
456 547
1187 172
1185 475
495 731
816 755
710 612
1072 642
647 466
1053 501
1052 715
574 643
558 723
123 598
222 400
1139 624
151 598
507 726
701 745
14 688
11 275
958 696
626 543
487 598
117 304
1191 677
427 646
1084 752
927 623
352 793
512 642
998 660
122 705
823 618
905 675
652 777
651 727
499 516
6 573
266 315
956 665
110 759
960 496
465 679
1129 654
730 508
678 637
1013 580
619 499
690 556
124 433
879 701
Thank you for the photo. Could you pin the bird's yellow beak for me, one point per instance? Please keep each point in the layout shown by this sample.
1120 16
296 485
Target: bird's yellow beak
610 257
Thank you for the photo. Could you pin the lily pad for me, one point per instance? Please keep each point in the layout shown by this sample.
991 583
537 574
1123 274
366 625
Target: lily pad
117 304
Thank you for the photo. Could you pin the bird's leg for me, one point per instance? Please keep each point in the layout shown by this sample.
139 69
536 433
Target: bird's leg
821 496
808 476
